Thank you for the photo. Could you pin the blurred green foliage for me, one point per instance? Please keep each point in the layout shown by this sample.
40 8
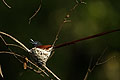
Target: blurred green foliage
70 62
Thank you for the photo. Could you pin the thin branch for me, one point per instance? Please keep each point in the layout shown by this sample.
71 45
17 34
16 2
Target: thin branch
86 76
38 67
39 72
77 4
81 1
10 44
51 72
85 38
35 12
28 61
56 38
65 21
51 54
31 68
6 4
1 72
12 53
100 63
9 48
14 45
15 41
96 64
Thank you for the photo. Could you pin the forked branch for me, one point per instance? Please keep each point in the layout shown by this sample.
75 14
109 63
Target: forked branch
10 44
21 44
66 20
90 69
7 46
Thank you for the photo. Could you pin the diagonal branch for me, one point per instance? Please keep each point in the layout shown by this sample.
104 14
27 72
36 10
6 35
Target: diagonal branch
6 4
86 38
38 67
88 71
35 12
51 72
21 44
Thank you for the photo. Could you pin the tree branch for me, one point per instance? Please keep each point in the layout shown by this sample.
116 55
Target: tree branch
6 4
35 12
1 72
86 38
3 33
89 70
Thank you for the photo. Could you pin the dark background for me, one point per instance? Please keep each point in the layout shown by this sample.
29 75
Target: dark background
70 62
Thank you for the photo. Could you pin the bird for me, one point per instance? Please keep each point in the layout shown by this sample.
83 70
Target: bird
40 53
